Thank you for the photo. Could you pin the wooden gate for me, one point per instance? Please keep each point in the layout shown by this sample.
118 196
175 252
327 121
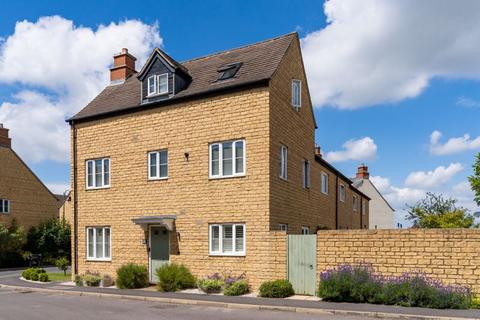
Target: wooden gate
302 263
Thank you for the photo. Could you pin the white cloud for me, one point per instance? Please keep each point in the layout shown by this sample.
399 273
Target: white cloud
434 178
360 150
377 51
58 188
453 145
59 68
467 102
398 197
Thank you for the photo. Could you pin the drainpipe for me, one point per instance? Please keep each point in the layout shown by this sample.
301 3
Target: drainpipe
336 203
75 200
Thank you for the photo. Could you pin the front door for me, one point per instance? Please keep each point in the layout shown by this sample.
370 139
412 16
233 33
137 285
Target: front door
159 249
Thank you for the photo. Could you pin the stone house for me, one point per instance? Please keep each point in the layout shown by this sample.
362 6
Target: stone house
208 162
23 197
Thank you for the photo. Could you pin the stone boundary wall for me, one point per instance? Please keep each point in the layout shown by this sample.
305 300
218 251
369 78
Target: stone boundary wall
451 255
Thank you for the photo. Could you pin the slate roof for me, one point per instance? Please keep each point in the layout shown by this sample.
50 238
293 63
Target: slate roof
260 60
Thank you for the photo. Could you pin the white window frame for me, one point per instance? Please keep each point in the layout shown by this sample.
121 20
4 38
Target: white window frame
220 174
354 203
305 230
94 175
364 207
9 206
296 105
283 162
157 165
342 192
306 173
220 242
283 227
155 88
324 177
94 258
163 75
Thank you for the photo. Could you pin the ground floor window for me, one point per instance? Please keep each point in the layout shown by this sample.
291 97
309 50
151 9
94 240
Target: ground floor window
4 206
305 230
283 227
227 239
98 243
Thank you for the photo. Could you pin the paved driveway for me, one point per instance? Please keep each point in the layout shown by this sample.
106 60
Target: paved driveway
15 305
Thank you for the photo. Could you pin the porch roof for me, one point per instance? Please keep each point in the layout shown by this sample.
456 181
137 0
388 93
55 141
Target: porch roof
164 220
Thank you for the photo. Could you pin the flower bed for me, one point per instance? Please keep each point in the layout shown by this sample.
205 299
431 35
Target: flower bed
359 283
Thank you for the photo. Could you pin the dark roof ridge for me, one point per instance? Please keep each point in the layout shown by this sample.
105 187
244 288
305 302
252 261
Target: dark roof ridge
240 47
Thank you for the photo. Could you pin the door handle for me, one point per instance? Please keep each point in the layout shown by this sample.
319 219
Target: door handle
311 267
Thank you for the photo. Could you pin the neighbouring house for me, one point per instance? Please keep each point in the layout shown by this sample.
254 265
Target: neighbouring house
381 213
23 197
64 204
203 162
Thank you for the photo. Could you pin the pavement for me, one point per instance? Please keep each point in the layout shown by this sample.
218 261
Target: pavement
318 308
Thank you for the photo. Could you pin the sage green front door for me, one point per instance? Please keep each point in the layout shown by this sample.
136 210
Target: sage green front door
159 249
302 263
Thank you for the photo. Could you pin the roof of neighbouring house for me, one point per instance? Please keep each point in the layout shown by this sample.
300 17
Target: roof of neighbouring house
259 62
61 198
357 183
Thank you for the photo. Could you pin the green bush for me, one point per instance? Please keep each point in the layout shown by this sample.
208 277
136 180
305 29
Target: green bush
210 285
43 277
78 280
132 276
51 239
237 288
358 283
92 279
33 274
11 243
174 277
62 264
276 289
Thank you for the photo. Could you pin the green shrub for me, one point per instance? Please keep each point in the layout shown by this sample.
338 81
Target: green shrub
174 277
276 289
107 280
78 280
237 288
132 276
51 239
62 264
43 277
92 279
32 274
210 285
11 242
358 283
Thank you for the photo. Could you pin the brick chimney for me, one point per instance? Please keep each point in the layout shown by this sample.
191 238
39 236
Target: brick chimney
5 141
123 66
362 172
318 151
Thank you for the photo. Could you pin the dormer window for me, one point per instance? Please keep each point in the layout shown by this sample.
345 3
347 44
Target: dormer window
228 71
157 84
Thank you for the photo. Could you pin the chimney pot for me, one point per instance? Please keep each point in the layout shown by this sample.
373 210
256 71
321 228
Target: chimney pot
123 66
318 151
362 172
5 140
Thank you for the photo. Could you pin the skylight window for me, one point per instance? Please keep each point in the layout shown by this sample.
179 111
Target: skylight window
228 71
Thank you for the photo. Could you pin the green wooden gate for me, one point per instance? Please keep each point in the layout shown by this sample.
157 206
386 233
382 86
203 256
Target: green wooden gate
302 263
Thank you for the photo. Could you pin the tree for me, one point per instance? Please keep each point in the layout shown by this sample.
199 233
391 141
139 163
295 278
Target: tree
474 179
62 264
11 242
434 211
51 239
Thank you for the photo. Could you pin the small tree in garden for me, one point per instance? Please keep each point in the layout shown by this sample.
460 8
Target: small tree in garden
434 211
474 179
62 264
11 242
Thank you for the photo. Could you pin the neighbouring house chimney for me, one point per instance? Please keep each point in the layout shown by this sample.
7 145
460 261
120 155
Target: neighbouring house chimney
362 172
318 151
123 66
5 141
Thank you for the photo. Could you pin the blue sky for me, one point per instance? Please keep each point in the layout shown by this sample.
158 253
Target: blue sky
380 77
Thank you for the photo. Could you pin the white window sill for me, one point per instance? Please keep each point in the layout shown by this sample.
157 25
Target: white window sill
98 260
325 193
155 179
227 177
97 188
157 94
239 254
282 178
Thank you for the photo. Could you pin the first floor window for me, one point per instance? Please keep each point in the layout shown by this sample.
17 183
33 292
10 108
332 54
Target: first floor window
152 85
305 230
354 203
324 182
296 94
4 206
98 243
227 239
98 173
283 162
163 83
306 174
364 207
342 192
158 164
227 159
283 227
